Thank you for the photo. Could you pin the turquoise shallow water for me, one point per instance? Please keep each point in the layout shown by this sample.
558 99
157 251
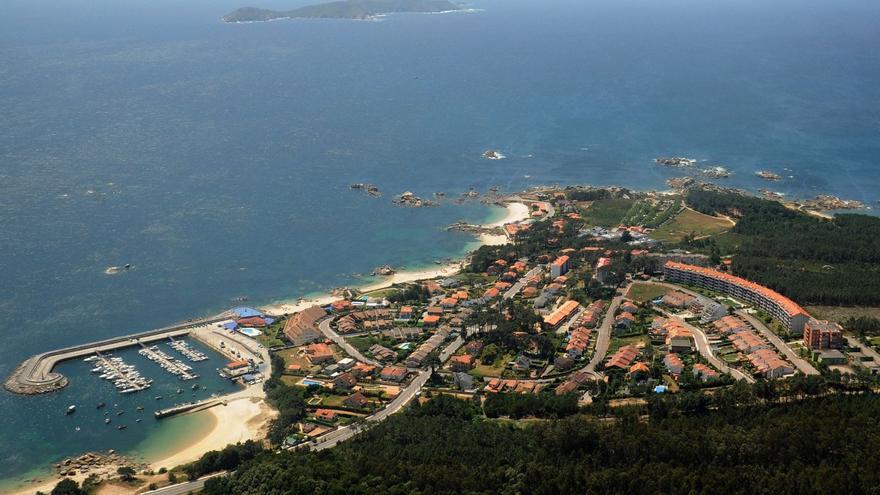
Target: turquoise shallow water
217 158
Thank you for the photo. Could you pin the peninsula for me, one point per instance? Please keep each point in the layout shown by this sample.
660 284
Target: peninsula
344 9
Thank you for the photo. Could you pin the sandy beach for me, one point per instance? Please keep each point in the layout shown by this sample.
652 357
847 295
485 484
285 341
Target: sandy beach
516 212
238 421
247 418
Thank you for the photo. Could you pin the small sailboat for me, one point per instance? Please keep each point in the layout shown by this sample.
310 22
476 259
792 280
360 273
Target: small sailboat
121 427
107 421
71 409
101 405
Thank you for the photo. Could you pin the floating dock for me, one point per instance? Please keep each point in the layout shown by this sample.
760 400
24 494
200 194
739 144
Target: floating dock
168 363
35 375
188 352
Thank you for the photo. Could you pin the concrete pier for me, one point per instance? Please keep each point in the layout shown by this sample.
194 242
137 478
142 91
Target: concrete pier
189 407
35 375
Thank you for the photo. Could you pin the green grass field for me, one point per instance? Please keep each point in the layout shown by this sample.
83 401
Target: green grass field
607 212
495 370
618 342
838 313
690 222
644 292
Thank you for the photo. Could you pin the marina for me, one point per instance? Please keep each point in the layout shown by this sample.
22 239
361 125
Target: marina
169 363
124 377
187 350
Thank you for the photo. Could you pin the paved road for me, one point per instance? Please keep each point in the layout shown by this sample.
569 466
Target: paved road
866 350
706 351
406 394
186 487
800 363
328 332
603 341
514 290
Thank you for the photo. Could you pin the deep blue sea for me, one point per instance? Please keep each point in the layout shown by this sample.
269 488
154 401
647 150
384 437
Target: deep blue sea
216 158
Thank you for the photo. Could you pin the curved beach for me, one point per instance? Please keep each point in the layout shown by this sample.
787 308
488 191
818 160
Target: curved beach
238 421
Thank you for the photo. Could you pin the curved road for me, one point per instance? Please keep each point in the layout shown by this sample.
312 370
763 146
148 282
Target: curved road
328 332
603 341
706 351
802 365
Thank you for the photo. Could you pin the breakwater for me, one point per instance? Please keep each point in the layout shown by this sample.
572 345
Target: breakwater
36 376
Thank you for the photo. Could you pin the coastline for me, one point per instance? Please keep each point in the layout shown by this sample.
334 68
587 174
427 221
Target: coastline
238 421
516 212
247 418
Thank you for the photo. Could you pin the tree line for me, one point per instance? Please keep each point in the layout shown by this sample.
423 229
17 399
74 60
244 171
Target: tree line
809 259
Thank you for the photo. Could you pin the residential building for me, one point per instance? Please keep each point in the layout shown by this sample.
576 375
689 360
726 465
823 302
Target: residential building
623 358
603 269
704 372
679 339
769 363
789 313
463 381
566 387
624 321
301 328
382 353
822 334
319 353
628 307
356 400
639 368
463 362
521 363
677 299
561 314
325 414
730 325
559 266
393 373
344 381
673 363
712 311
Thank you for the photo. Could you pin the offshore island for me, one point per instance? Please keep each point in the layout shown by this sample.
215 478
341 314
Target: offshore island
587 315
344 9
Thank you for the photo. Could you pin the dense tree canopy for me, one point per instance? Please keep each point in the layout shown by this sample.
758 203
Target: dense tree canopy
825 445
811 260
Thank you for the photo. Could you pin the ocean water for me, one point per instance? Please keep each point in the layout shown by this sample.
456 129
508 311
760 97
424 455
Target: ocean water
216 158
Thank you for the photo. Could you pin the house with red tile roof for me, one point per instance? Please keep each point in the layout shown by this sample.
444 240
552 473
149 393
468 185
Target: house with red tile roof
356 400
393 373
431 320
448 303
704 372
463 362
639 367
623 358
566 387
491 293
325 414
673 363
561 314
319 353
